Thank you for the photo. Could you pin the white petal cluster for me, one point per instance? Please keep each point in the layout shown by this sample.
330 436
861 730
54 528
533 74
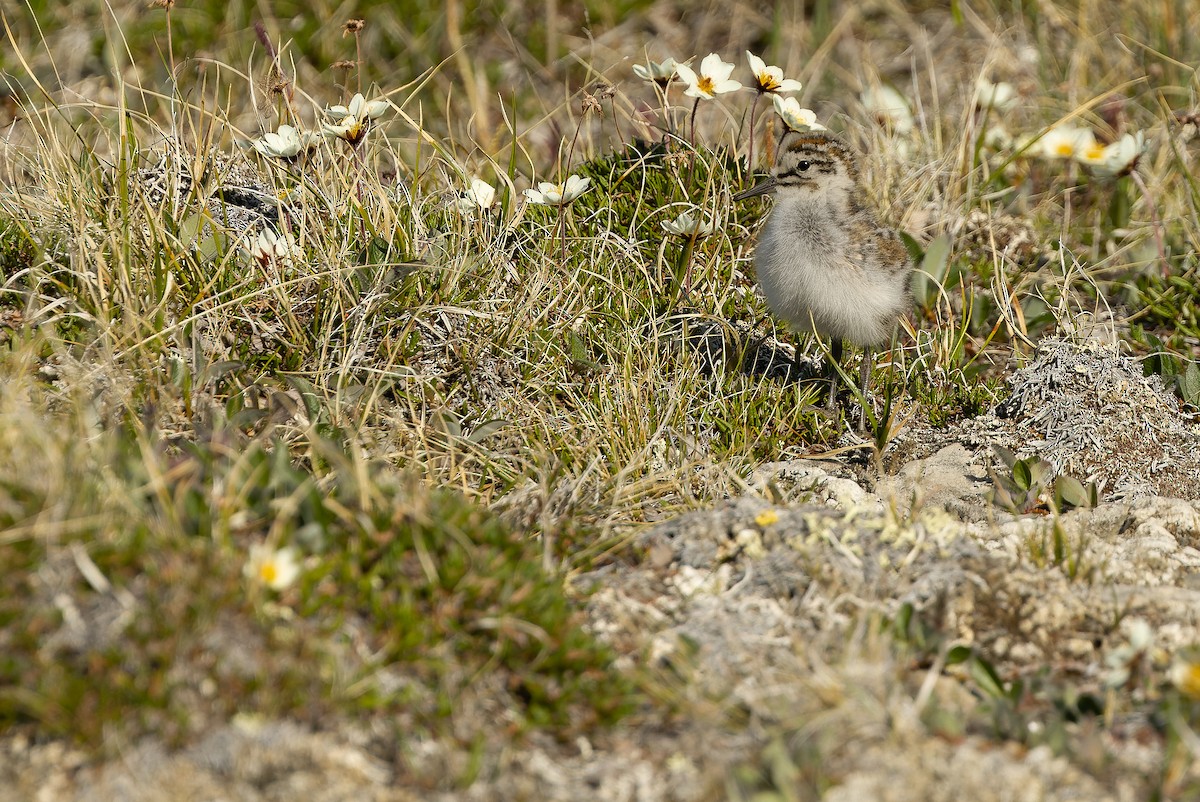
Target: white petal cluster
770 79
351 122
558 194
286 143
1117 158
1138 649
274 568
269 247
689 224
1067 142
794 117
660 73
480 195
1000 96
712 80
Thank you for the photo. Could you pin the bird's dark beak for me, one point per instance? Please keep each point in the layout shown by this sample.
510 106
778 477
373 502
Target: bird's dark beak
761 188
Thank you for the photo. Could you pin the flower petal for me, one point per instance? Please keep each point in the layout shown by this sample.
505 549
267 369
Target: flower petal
687 74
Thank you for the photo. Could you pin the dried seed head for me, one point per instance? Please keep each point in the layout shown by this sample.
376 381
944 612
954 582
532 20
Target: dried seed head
592 103
278 84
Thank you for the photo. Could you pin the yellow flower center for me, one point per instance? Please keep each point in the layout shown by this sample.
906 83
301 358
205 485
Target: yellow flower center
1064 149
705 85
268 573
766 518
1189 681
1094 152
767 84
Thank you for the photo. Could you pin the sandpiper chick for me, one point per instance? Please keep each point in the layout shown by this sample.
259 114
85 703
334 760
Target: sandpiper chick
823 261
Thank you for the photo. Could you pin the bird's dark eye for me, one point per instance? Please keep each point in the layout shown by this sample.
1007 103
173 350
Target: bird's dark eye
804 166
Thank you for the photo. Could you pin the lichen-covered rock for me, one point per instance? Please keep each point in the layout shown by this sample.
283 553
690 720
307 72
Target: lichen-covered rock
1091 413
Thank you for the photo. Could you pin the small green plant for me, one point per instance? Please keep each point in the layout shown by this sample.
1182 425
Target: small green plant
1163 360
1053 546
1189 384
933 266
1011 705
1030 484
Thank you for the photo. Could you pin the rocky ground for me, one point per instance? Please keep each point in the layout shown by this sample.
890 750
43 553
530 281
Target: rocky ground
832 634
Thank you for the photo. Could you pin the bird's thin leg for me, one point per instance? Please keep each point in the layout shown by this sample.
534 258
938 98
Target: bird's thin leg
797 367
835 359
865 386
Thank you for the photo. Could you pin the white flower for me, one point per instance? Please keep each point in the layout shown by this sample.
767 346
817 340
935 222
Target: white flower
1131 657
269 247
1067 142
285 143
274 568
1000 96
359 107
1116 159
351 122
888 107
770 79
713 79
558 194
997 137
794 117
688 224
659 73
481 195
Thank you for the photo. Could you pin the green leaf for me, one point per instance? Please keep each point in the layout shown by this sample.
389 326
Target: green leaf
180 375
221 369
308 395
486 429
1006 456
958 654
986 677
1005 493
902 620
1039 470
1022 475
1189 384
936 261
447 423
243 419
915 251
1152 364
932 269
1069 492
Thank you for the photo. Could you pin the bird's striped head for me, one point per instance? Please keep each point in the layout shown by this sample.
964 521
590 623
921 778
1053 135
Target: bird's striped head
814 160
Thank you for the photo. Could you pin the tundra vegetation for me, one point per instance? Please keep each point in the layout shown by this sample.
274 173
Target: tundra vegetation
336 353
